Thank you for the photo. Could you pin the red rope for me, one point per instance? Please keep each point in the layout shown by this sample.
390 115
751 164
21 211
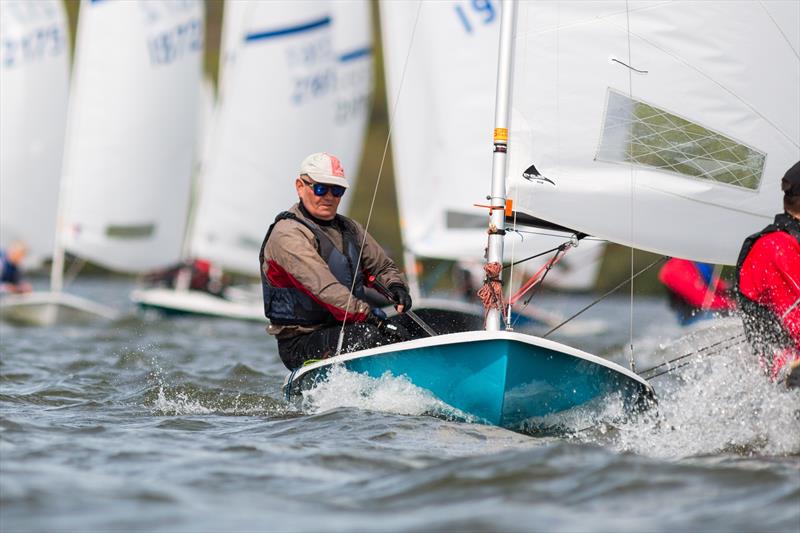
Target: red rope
536 278
491 293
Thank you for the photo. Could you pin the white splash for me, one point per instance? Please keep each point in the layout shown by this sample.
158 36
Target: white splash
720 402
392 394
179 404
181 400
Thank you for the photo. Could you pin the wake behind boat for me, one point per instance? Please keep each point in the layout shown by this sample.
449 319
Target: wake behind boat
495 377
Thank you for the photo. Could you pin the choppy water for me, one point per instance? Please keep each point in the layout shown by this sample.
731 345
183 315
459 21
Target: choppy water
179 425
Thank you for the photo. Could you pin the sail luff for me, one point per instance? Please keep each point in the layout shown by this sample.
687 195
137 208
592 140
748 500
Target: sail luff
57 263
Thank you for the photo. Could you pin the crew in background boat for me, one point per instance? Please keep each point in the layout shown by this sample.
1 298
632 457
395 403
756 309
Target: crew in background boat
10 268
768 287
193 274
694 294
309 262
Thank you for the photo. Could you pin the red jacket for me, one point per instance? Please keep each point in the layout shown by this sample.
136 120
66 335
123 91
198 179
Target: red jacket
683 279
770 276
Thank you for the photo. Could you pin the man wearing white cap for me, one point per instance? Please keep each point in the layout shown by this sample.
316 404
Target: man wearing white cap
315 264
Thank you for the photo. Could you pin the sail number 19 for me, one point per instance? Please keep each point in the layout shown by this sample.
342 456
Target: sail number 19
474 13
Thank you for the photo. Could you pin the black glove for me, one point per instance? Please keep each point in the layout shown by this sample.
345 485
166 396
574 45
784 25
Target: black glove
400 296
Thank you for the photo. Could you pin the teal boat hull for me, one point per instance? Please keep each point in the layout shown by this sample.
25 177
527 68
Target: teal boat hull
504 379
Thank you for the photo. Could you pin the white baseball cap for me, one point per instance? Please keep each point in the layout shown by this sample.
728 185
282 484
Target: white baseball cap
323 167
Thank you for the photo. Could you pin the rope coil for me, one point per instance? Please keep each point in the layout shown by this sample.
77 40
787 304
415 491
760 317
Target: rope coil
491 292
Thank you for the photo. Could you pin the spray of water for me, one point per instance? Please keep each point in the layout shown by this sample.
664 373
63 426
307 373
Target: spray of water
720 402
388 393
188 399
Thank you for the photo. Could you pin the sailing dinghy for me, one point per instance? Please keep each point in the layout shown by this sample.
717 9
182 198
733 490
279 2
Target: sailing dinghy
494 376
296 78
34 88
660 126
129 146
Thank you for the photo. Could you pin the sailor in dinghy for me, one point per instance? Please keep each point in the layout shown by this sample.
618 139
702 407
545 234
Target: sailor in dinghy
768 288
312 271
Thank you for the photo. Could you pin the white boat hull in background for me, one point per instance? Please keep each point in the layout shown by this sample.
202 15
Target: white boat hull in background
188 302
49 308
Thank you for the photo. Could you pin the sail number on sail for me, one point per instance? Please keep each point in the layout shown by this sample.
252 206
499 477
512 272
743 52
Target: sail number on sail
176 42
475 12
311 65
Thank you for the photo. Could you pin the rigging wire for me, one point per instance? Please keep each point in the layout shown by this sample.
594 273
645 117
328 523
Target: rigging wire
511 270
380 173
609 293
730 341
562 250
559 247
632 361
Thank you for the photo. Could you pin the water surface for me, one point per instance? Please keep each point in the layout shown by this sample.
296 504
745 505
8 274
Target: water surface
180 425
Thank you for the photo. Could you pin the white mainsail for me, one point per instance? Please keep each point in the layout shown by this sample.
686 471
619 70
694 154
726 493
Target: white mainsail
277 104
132 131
34 85
665 126
352 46
442 134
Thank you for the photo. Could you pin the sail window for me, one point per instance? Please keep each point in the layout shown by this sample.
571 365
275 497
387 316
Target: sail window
642 134
139 231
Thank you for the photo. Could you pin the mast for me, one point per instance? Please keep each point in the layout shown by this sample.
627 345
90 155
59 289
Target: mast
502 111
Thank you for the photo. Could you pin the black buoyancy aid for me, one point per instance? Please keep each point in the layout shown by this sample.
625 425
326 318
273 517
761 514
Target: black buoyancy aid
765 331
291 306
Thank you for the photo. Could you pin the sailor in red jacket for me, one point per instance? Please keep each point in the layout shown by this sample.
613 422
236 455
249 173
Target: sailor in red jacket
694 294
768 287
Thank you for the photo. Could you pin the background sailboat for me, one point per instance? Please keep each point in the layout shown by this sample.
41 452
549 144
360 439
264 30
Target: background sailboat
130 142
296 78
34 86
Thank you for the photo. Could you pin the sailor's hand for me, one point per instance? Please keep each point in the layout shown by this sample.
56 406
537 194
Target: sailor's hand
402 299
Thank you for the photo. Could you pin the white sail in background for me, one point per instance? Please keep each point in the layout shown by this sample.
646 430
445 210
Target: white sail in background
352 46
442 133
665 127
277 104
132 131
34 83
234 19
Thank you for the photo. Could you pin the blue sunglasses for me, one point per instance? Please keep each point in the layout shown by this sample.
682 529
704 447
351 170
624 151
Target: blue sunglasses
321 189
